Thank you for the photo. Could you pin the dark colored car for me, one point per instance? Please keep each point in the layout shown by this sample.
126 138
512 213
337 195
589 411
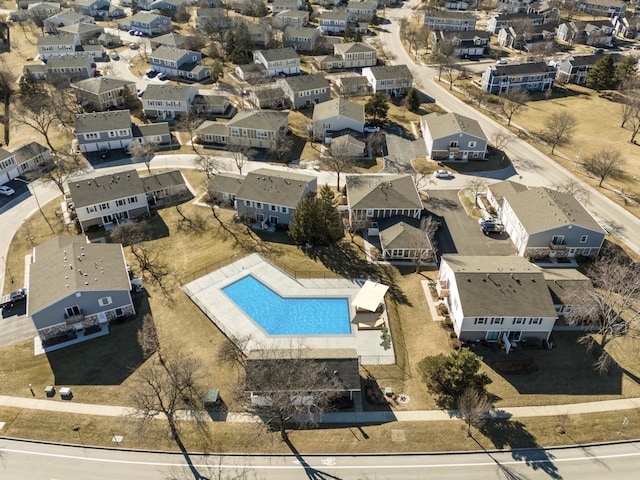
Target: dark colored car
152 74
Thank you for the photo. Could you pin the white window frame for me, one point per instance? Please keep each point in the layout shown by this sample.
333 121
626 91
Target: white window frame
104 301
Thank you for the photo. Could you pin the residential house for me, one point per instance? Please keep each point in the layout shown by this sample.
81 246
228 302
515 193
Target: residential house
251 72
594 32
110 40
496 299
627 27
64 18
538 37
347 146
545 223
505 20
337 370
402 239
171 40
39 10
101 93
271 97
294 18
536 76
337 115
361 11
116 11
27 157
499 190
75 289
453 137
271 196
391 79
57 45
562 284
305 90
103 130
213 19
105 200
71 67
352 86
260 33
348 55
333 21
178 62
92 8
170 6
371 197
576 69
466 43
457 5
603 8
257 128
210 105
168 101
522 6
449 21
224 188
87 33
212 132
278 61
278 6
166 188
300 38
150 24
157 133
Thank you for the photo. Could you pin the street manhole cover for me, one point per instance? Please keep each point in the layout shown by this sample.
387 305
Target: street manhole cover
398 436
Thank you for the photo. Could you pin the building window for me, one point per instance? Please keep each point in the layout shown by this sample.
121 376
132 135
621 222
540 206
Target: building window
535 321
472 144
120 202
72 311
258 204
112 134
284 209
453 144
518 321
480 321
496 320
91 209
133 199
90 136
273 208
104 206
104 301
583 238
557 239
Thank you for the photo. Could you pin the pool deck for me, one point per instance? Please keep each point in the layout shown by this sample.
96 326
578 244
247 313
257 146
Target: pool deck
206 292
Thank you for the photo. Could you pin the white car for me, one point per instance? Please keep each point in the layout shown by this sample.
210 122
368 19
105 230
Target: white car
7 191
371 129
489 219
502 61
443 174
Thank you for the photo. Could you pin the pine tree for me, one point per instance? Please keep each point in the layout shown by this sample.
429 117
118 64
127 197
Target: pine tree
357 37
316 219
348 35
329 216
627 68
603 74
412 101
377 106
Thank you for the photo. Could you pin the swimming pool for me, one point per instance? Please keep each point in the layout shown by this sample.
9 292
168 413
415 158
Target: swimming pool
289 316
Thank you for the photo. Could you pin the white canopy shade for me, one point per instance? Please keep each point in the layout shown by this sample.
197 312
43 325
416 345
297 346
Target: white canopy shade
370 296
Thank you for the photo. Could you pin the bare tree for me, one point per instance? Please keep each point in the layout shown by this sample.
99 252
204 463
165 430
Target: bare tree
478 95
610 308
474 407
144 151
607 162
7 82
39 113
131 233
61 168
148 337
290 385
573 188
150 261
476 185
339 161
424 243
500 140
208 164
281 144
559 127
513 102
240 155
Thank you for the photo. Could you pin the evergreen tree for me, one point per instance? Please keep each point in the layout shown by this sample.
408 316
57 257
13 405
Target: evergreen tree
243 48
29 85
134 7
348 34
412 101
357 36
377 106
217 70
626 69
330 217
316 219
603 74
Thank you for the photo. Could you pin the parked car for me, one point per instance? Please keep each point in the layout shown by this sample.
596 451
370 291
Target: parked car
487 219
115 56
152 74
443 174
502 61
371 128
134 46
140 93
163 76
6 191
131 32
492 227
138 34
636 47
13 298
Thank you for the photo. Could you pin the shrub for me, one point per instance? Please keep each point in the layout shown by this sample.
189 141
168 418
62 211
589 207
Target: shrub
443 309
455 343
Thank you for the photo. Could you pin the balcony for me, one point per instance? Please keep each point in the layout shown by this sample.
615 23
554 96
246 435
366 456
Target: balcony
454 149
558 247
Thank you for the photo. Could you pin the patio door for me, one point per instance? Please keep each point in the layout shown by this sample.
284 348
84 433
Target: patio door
492 336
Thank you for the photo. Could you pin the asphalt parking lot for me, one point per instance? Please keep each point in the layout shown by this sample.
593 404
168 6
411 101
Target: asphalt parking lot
400 152
461 233
19 187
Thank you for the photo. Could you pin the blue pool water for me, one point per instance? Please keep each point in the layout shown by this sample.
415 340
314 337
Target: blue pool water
289 316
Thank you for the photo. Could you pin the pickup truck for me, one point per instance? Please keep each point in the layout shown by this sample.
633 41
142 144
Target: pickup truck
13 298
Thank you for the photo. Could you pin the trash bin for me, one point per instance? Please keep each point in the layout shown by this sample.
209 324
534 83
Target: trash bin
66 393
50 390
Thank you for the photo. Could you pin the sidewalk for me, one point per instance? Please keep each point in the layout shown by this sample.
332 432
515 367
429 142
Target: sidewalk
352 418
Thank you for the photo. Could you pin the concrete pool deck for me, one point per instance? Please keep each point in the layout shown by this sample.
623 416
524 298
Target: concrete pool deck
206 292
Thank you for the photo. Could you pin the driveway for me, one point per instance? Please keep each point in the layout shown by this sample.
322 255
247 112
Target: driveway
460 233
400 152
15 325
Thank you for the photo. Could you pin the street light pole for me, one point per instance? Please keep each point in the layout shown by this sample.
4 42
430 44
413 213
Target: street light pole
6 267
33 191
575 165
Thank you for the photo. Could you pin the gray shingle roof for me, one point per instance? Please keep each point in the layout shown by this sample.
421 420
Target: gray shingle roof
451 124
403 235
145 17
226 183
299 32
493 286
60 39
157 181
159 128
65 264
4 154
275 187
390 72
338 106
167 92
27 151
172 54
210 127
541 209
535 68
171 39
99 85
102 121
105 188
75 60
353 47
306 82
268 120
562 282
279 54
502 189
382 191
333 16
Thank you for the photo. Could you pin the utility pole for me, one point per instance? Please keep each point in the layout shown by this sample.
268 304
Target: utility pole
575 165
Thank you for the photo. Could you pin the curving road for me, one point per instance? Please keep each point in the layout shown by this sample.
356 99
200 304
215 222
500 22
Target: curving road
532 166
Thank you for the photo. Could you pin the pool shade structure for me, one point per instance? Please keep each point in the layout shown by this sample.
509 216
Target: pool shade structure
370 296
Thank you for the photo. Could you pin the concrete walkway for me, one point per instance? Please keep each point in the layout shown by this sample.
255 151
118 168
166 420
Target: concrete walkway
352 418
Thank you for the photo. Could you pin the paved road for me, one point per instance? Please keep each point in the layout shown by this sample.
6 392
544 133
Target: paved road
533 167
36 461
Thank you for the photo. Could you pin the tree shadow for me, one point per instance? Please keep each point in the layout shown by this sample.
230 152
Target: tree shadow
311 472
509 434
